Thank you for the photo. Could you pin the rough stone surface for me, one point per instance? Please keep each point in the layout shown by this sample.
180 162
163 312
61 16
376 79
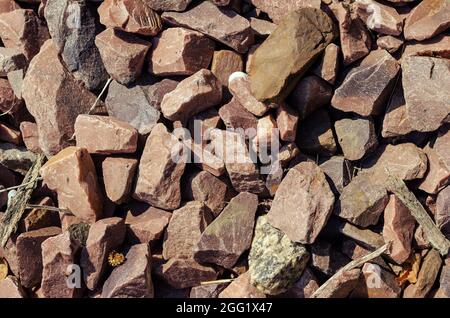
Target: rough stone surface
315 134
185 230
10 288
54 98
288 52
302 204
122 54
241 287
329 65
184 273
396 120
262 28
230 234
445 278
179 51
168 5
377 283
304 287
225 63
10 135
71 173
278 9
390 43
133 278
207 291
366 88
223 25
104 236
438 173
158 176
442 215
342 285
338 172
380 18
118 176
235 116
9 102
427 87
239 85
191 96
326 258
438 46
287 122
275 262
38 218
11 59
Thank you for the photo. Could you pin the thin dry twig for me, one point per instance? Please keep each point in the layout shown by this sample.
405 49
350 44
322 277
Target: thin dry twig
46 207
20 185
219 281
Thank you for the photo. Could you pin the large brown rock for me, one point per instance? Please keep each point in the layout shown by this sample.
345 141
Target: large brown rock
118 176
191 96
278 9
288 53
158 177
105 135
366 88
125 67
104 236
426 83
133 278
135 16
59 254
55 98
222 24
185 229
428 19
179 51
230 234
71 173
302 204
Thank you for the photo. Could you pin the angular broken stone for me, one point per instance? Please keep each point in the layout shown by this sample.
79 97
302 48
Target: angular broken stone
59 254
184 273
30 136
22 29
71 173
356 136
438 46
41 218
75 39
205 187
55 98
442 215
179 51
390 43
156 92
310 94
275 262
241 287
235 116
377 283
288 52
304 287
287 121
146 224
326 258
239 86
428 274
10 288
205 159
168 5
329 65
192 95
9 102
105 135
396 121
16 158
428 19
11 59
363 200
185 229
158 176
366 88
293 201
125 67
8 6
278 9
379 18
338 171
207 291
267 136
341 286
398 229
240 164
133 278
10 135
427 91
262 28
29 254
135 16
225 63
118 176
437 175
201 124
130 104
315 134
230 234
104 236
221 24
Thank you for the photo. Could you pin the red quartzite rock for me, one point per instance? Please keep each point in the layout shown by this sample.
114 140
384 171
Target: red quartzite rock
442 215
118 176
339 172
287 121
390 43
239 86
438 173
30 136
396 121
326 258
230 234
221 24
341 285
179 51
377 283
158 177
439 46
39 218
9 102
191 96
207 291
379 18
122 53
133 278
71 173
8 6
235 116
184 273
104 236
54 98
329 66
105 135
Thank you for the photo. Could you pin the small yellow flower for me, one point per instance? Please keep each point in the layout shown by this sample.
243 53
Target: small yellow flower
116 259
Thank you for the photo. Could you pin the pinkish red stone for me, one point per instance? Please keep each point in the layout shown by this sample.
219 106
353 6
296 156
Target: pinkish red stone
438 173
329 65
225 63
205 159
380 18
71 173
8 6
339 172
293 201
30 136
125 67
169 5
241 288
38 218
179 51
118 176
192 95
104 236
326 258
8 100
10 288
304 287
59 254
341 285
267 135
184 273
438 46
396 121
377 283
442 215
133 278
105 135
235 116
262 28
158 177
287 121
390 43
207 291
135 16
239 86
223 25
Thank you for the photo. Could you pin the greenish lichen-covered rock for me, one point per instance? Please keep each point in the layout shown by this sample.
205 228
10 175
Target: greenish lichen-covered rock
275 262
